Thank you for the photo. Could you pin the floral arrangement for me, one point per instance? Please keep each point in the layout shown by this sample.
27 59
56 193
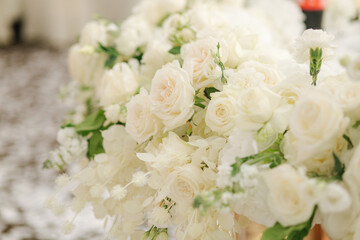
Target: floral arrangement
195 117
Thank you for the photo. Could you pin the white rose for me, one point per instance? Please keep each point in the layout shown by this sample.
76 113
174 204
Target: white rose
117 142
316 124
199 61
255 107
184 183
86 66
141 123
172 96
155 10
242 79
135 32
290 197
340 224
334 198
272 76
95 32
220 113
291 88
117 85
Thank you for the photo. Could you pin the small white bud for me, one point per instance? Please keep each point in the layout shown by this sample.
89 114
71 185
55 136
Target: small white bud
140 179
118 192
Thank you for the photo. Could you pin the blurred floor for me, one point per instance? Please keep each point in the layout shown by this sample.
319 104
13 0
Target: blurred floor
30 116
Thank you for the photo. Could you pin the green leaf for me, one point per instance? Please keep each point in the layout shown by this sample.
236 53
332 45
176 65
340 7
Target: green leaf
296 232
199 101
350 144
339 168
356 124
111 52
139 55
110 62
200 105
68 125
93 122
175 50
208 91
107 50
95 145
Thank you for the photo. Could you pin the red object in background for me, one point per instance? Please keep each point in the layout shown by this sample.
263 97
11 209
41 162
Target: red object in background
312 5
313 10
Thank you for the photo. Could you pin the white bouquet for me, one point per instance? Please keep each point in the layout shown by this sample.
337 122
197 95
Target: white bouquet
199 115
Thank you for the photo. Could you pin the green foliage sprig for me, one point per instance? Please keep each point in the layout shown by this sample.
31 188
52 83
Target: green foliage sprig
315 63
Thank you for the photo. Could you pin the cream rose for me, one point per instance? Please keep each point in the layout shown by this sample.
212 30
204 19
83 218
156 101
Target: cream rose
291 197
117 85
184 183
316 124
220 113
271 76
242 79
199 61
255 107
134 32
141 123
172 96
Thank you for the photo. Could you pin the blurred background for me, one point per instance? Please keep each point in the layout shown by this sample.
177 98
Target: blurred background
34 38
